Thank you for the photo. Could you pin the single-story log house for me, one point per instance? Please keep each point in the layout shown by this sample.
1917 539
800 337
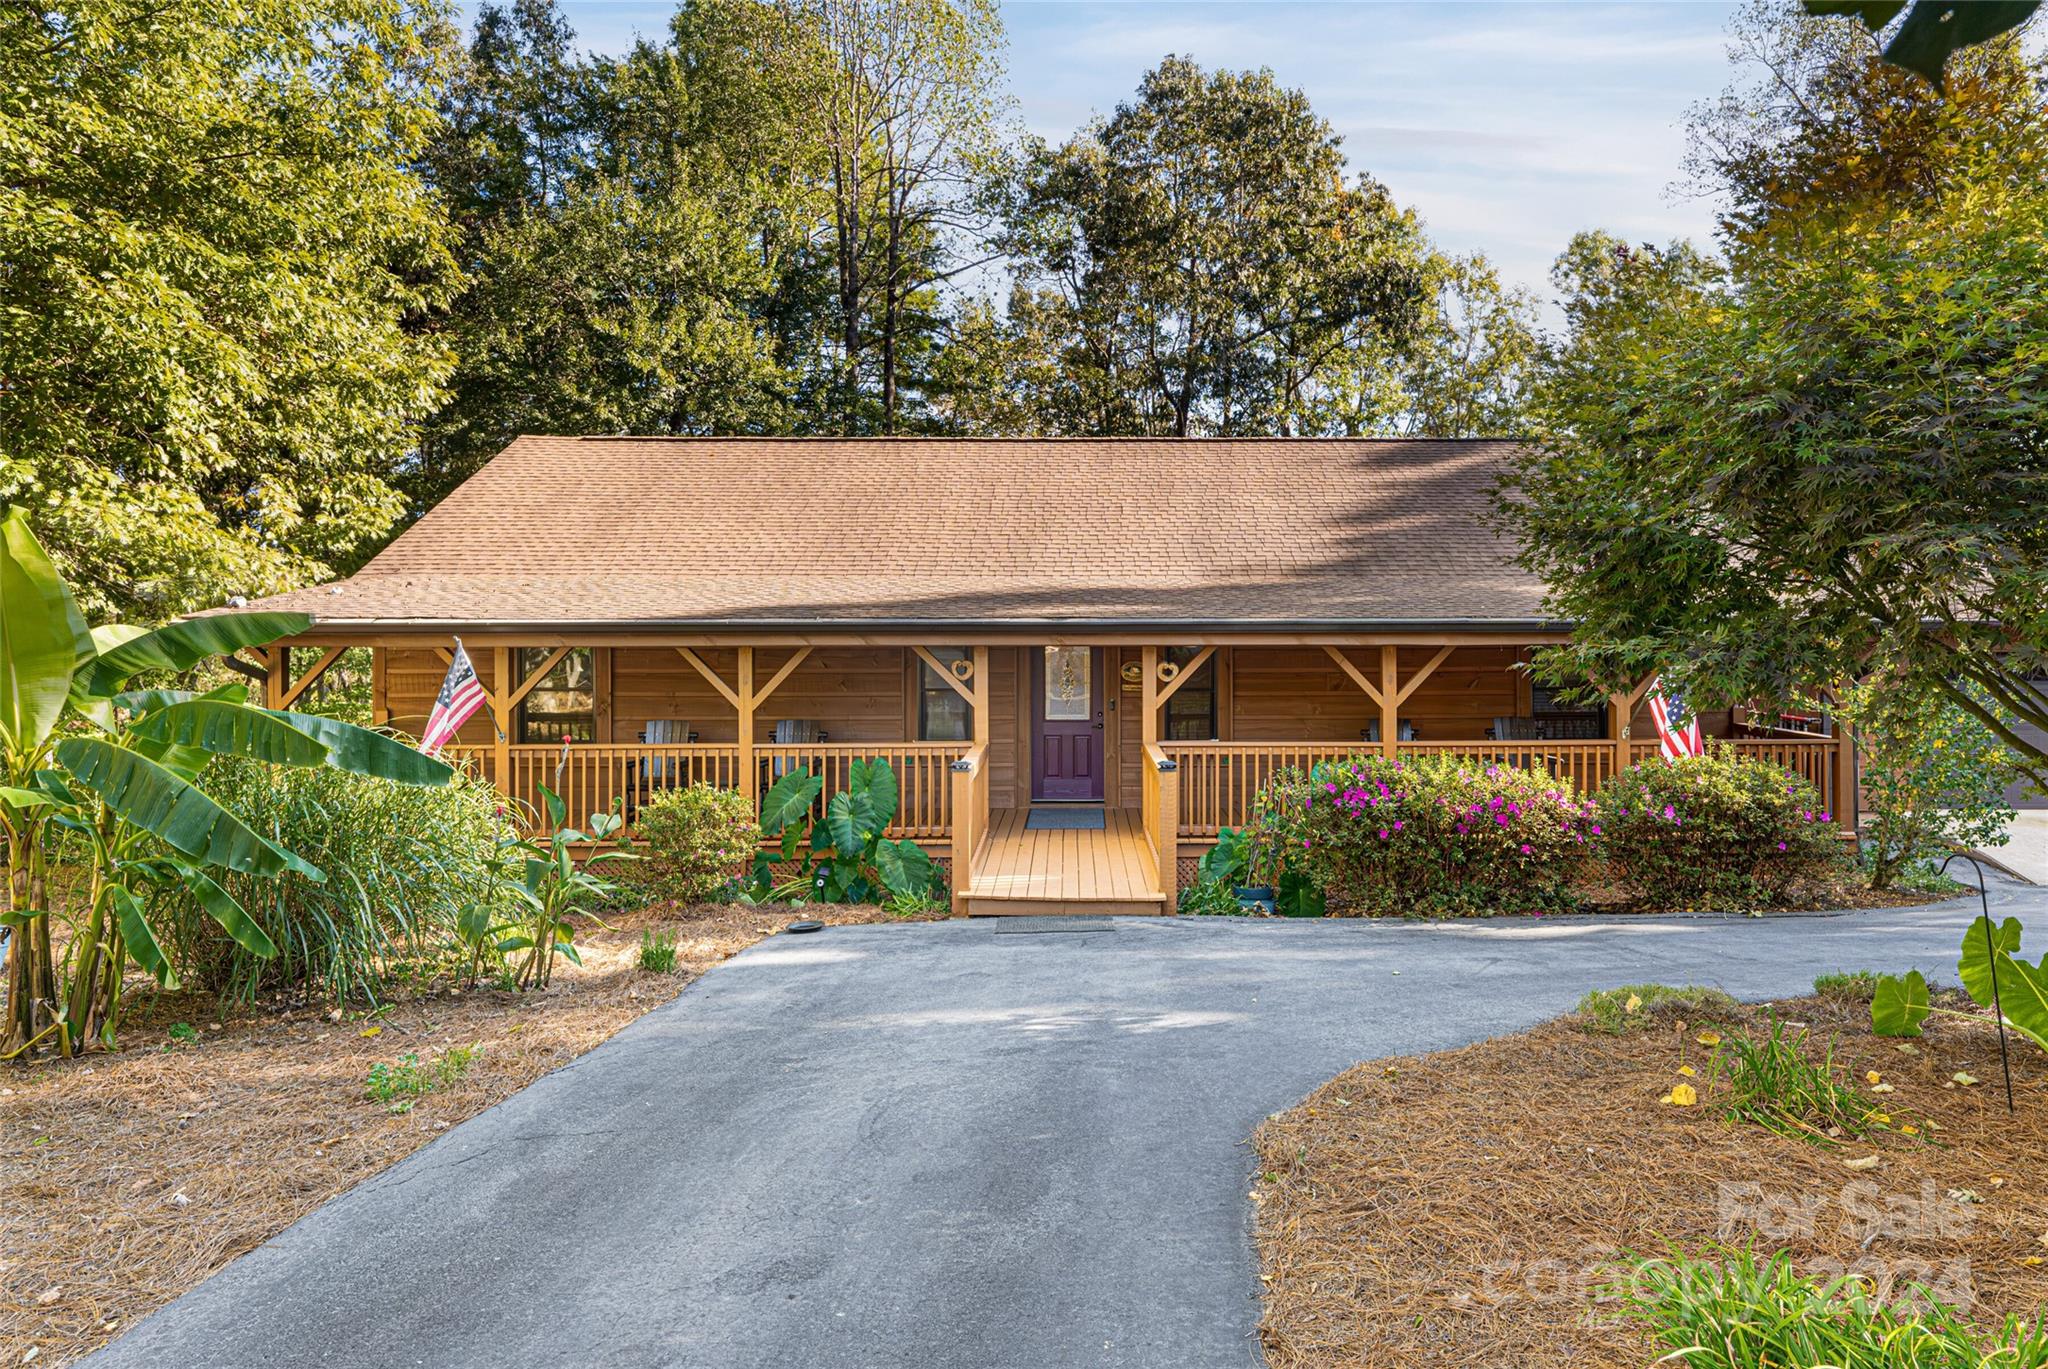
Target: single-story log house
1141 629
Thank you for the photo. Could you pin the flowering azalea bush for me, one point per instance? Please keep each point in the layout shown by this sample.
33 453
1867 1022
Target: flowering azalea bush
1719 831
1439 836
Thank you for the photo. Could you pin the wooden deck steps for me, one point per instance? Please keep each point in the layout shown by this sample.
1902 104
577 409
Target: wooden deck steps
1021 870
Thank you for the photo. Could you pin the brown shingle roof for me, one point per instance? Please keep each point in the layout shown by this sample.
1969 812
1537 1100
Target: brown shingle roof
744 531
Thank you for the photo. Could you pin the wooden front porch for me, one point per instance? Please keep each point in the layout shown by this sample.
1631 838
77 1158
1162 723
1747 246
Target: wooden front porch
1018 868
1186 735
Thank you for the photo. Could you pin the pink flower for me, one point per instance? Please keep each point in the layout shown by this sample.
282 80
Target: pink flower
1527 849
1462 829
1826 817
1781 846
1670 813
1383 834
1596 829
1500 819
1397 827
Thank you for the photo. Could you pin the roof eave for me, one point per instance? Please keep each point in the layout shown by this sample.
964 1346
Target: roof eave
373 626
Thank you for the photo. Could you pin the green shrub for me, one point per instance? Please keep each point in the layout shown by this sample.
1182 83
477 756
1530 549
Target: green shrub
1849 986
1716 831
1440 836
1934 780
1209 898
699 842
1635 1007
658 951
401 863
1737 1311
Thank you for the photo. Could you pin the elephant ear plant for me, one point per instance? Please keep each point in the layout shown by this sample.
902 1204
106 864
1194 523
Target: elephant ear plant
844 858
112 774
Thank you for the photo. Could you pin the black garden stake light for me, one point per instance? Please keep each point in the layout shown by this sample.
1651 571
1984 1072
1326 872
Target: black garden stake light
1991 962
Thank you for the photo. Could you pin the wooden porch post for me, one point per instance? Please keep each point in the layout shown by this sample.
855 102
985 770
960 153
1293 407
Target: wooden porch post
1618 714
1168 778
749 781
277 669
1845 777
980 700
1390 700
501 716
1148 697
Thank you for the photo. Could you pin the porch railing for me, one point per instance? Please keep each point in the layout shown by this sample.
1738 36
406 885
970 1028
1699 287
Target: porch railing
1217 782
924 777
595 775
1220 780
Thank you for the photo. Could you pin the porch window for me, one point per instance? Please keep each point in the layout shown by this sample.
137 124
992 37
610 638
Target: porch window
942 715
563 704
1191 712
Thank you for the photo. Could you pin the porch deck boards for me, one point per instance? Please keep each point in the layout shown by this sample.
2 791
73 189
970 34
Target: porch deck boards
1021 870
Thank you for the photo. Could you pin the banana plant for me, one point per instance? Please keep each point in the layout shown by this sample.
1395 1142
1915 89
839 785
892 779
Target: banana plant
112 774
844 857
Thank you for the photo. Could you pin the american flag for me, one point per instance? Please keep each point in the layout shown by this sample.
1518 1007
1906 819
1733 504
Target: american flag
1678 732
461 695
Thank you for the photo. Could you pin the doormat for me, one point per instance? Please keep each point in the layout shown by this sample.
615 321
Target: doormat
1064 820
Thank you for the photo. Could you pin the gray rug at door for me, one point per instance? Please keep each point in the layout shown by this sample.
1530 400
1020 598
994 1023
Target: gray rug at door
1064 820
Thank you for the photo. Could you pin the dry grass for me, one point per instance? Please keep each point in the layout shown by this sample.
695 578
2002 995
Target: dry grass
125 1179
1454 1209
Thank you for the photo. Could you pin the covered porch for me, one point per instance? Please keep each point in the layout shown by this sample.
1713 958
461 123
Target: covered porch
1169 741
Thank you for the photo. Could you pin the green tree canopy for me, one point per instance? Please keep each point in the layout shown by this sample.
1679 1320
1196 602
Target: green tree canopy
1198 260
213 255
1831 460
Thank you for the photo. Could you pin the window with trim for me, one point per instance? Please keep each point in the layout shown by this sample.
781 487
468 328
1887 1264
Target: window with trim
1191 712
942 715
564 703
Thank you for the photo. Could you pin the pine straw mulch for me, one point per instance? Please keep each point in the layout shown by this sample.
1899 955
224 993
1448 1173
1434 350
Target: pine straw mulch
1455 1209
127 1178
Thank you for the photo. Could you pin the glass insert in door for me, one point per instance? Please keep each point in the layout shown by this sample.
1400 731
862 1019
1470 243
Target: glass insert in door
1067 686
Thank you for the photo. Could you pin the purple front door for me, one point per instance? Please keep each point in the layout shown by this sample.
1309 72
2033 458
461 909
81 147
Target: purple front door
1066 754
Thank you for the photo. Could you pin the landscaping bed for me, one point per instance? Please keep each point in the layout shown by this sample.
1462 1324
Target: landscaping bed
1461 1208
130 1177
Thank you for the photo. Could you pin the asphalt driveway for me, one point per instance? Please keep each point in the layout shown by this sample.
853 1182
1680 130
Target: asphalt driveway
991 1143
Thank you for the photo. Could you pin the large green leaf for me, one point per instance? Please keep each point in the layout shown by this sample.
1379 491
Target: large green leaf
905 868
220 905
1934 29
875 793
360 751
221 728
789 799
843 827
155 799
2022 988
42 637
1899 1005
182 645
135 931
1298 896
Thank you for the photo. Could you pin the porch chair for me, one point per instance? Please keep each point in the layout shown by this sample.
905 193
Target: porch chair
664 771
1516 730
1404 731
795 732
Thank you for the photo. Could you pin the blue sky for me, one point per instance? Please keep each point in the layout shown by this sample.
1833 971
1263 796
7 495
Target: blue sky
1507 126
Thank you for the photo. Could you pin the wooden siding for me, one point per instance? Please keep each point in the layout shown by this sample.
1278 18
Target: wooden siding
1300 694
